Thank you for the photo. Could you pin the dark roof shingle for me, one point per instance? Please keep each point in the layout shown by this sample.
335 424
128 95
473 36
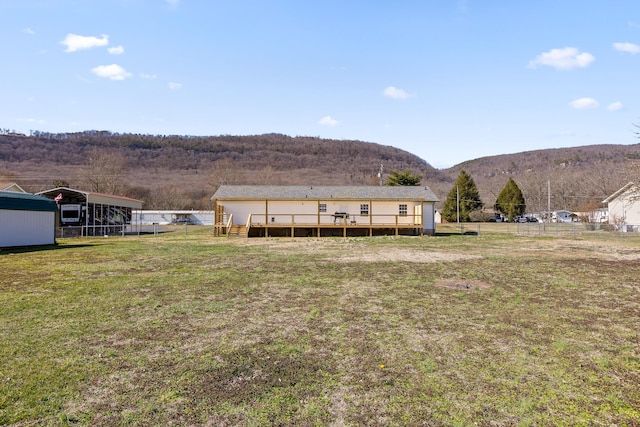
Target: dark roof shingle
297 192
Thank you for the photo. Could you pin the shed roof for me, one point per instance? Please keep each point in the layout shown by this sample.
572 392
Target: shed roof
297 192
91 197
10 200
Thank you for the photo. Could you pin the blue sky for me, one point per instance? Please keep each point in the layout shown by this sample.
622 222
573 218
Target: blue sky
446 80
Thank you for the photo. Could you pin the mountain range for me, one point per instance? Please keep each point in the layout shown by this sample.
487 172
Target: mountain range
182 172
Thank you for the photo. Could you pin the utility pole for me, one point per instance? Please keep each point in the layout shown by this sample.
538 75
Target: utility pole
458 203
549 200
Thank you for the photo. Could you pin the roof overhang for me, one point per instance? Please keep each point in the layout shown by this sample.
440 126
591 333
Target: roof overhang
621 191
70 194
273 192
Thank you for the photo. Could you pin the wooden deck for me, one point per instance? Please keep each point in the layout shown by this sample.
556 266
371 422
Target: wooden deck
344 229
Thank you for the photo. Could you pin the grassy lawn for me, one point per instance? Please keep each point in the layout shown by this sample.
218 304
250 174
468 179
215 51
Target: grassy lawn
190 329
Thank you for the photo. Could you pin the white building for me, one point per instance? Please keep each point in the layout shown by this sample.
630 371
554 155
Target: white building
26 220
624 205
166 217
563 216
324 210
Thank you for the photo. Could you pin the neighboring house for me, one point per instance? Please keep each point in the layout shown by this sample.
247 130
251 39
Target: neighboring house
11 186
165 217
324 210
624 205
26 220
600 215
563 216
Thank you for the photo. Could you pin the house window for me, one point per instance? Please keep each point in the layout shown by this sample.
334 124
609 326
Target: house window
323 207
364 209
402 210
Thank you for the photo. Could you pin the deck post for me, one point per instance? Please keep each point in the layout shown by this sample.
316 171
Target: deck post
266 218
396 225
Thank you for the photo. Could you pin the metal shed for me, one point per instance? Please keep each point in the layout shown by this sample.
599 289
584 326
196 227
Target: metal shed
26 220
89 214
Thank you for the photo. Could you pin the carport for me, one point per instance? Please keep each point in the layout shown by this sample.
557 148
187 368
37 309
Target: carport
89 214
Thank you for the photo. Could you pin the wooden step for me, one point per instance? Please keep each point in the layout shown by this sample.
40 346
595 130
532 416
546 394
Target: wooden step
238 231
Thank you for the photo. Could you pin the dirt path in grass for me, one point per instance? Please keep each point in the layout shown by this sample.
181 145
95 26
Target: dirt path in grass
339 251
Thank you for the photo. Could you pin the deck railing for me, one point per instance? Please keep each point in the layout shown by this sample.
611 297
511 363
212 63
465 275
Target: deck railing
328 220
229 224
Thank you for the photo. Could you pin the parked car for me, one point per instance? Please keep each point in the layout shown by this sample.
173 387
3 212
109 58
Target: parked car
181 221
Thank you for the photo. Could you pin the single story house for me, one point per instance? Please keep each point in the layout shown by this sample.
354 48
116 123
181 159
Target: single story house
26 220
624 205
266 210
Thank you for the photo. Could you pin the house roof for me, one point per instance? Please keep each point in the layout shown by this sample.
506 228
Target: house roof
10 200
91 197
618 193
11 186
297 192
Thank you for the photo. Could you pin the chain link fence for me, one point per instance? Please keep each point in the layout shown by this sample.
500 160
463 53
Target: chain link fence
543 229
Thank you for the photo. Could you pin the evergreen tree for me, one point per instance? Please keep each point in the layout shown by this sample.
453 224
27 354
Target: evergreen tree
406 177
510 200
465 189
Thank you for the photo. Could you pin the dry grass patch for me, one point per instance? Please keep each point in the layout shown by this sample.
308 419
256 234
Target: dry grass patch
196 330
462 285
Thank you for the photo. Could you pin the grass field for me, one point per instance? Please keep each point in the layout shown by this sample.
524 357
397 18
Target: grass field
190 329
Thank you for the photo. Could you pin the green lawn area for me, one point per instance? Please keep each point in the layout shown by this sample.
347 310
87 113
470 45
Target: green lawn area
191 329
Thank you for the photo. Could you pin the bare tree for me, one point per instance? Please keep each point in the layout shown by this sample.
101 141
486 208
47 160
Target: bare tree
535 191
227 172
105 172
166 198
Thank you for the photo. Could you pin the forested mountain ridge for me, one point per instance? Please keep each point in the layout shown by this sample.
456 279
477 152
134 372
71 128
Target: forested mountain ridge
171 171
579 177
189 168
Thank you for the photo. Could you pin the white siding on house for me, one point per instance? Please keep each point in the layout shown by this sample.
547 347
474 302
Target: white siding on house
26 228
624 210
306 212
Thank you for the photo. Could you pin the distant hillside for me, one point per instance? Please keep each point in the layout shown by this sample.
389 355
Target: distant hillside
190 168
183 171
580 177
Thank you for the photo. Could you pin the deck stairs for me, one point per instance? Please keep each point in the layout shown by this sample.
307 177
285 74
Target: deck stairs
238 230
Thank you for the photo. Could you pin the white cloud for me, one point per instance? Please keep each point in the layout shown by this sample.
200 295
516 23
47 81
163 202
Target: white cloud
32 120
584 103
28 31
563 59
616 106
74 42
175 86
627 47
173 2
395 93
111 72
328 121
148 76
116 50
